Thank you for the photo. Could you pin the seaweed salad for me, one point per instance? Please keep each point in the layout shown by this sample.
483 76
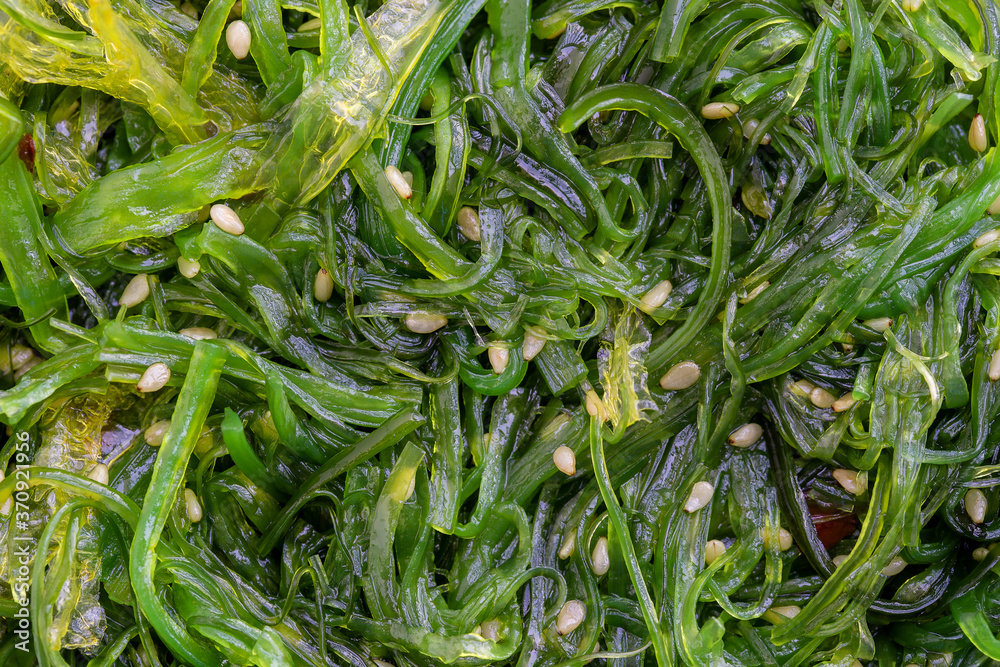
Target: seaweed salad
490 332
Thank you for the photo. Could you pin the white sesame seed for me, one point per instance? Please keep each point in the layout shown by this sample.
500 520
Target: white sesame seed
565 460
755 292
189 268
226 219
821 398
845 402
323 286
20 355
781 614
657 295
595 406
749 127
879 324
424 323
568 545
154 432
199 333
680 376
975 505
849 480
994 208
994 370
192 505
600 557
311 24
99 473
154 378
980 553
490 630
190 10
839 560
238 39
745 435
499 358
714 549
701 494
802 387
571 616
718 110
26 366
784 540
977 133
468 223
398 182
988 237
532 345
895 566
912 5
136 291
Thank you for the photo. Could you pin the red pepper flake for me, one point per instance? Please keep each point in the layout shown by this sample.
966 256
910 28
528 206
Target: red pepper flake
831 525
26 151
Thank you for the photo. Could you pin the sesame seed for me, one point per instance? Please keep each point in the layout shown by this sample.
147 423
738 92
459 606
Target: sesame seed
571 616
977 131
656 296
821 398
839 560
988 237
850 480
565 460
99 473
20 355
994 208
845 402
398 182
781 614
600 557
994 369
490 630
755 292
238 39
700 496
192 505
424 323
468 223
154 432
680 376
189 9
136 291
595 406
714 549
750 127
26 366
879 324
189 268
980 553
895 566
745 435
323 286
154 378
568 546
199 333
784 540
975 505
532 345
802 387
499 358
719 110
226 219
